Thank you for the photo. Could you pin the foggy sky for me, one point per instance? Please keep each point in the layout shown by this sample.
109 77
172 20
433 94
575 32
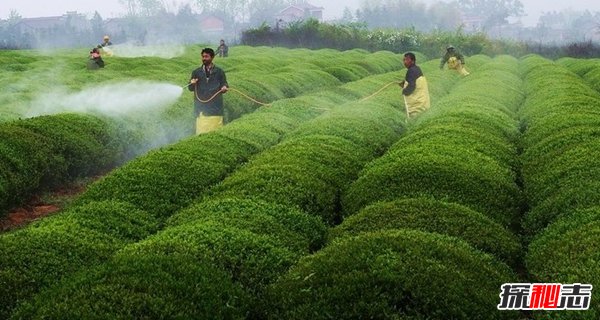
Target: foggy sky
333 8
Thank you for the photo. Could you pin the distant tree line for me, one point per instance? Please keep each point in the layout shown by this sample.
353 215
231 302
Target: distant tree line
377 24
313 34
438 16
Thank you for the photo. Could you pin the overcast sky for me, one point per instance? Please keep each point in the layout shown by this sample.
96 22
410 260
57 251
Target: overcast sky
333 8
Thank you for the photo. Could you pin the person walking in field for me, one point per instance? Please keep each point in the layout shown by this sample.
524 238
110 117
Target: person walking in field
208 84
455 60
415 89
223 49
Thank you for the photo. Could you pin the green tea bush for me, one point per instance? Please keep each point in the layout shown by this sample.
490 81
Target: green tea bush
252 256
392 274
310 228
306 172
566 199
445 172
343 74
88 144
249 241
593 78
39 255
148 286
570 166
446 130
560 174
566 252
24 160
544 128
238 258
560 143
270 88
256 221
588 69
429 215
368 124
579 66
45 152
168 179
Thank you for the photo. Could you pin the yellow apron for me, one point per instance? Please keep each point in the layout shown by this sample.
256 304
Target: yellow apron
455 64
418 101
206 124
107 51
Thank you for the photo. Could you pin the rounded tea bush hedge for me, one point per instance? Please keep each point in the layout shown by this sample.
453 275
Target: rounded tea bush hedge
251 256
42 153
310 228
444 172
429 215
560 173
309 172
40 254
149 286
570 197
560 144
392 274
566 252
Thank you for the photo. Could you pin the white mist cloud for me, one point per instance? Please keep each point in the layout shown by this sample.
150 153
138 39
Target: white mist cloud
110 99
166 51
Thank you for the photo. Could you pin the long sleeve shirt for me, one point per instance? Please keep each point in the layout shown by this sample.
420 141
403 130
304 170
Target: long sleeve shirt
210 80
412 74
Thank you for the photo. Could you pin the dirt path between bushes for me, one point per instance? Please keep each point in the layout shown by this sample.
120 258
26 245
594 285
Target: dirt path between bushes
43 205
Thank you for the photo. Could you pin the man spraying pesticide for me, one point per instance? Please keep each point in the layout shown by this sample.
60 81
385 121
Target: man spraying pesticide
208 84
414 88
105 46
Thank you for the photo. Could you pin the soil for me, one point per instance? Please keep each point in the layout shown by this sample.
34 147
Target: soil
26 214
43 205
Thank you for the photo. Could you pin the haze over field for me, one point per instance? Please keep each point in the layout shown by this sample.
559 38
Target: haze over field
332 8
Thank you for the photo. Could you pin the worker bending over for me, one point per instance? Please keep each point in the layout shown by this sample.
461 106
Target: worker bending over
455 60
95 60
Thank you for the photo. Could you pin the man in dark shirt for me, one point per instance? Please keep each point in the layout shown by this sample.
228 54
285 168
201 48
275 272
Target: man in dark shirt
223 49
208 84
415 89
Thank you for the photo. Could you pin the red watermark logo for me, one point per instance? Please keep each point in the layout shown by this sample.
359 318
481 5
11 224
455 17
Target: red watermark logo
545 296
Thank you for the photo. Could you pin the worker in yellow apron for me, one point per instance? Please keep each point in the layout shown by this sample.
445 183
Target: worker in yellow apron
414 88
208 83
455 60
105 46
